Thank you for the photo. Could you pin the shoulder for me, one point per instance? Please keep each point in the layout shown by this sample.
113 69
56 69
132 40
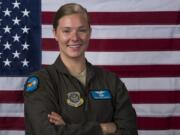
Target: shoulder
37 79
104 73
108 76
44 73
112 80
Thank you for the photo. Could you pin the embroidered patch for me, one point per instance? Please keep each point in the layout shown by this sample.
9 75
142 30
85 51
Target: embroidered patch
101 94
31 84
74 99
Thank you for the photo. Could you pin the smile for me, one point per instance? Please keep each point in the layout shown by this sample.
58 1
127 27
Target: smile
74 46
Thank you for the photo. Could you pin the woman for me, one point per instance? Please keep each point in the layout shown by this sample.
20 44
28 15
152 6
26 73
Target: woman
73 97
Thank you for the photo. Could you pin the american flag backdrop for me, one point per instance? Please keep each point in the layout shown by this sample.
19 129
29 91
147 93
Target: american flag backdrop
137 39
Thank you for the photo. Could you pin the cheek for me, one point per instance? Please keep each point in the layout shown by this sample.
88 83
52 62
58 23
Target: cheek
62 39
85 38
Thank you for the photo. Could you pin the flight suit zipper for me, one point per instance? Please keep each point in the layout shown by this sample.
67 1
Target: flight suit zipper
86 91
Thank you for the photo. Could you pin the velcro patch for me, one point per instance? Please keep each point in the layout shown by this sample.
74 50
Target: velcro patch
101 94
31 84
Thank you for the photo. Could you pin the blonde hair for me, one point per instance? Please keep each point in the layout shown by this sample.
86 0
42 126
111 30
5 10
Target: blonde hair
68 9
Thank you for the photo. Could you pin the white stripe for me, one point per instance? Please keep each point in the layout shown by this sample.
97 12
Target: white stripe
48 57
159 132
12 110
12 132
126 31
152 84
140 132
143 110
116 5
122 58
12 83
157 110
134 58
133 84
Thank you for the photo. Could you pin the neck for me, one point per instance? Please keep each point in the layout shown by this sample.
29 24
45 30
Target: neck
76 65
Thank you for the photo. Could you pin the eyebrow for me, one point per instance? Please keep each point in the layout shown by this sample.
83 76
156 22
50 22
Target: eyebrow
73 28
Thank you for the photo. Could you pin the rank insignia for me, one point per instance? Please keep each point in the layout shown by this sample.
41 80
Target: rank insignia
31 84
74 99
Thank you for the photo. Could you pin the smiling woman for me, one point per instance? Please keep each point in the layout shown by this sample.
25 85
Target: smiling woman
73 97
72 35
72 32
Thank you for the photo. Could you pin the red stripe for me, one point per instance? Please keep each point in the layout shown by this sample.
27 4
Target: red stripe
115 45
144 123
148 123
126 18
11 97
155 96
145 70
147 96
12 123
136 71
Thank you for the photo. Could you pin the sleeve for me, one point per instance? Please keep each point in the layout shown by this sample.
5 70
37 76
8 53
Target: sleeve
125 115
39 101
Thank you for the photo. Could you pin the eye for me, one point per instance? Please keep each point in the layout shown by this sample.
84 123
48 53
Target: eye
83 30
66 31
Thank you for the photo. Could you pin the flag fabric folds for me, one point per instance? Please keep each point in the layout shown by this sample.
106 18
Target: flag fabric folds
137 40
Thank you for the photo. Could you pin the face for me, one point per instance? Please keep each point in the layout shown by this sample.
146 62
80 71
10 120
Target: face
72 35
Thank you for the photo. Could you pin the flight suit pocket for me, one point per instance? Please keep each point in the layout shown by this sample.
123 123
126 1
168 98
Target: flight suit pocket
101 104
73 107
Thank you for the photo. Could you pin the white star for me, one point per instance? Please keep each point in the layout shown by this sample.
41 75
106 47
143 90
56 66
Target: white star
16 38
7 29
16 4
25 12
7 12
7 46
25 29
16 21
25 46
7 62
25 63
0 55
16 54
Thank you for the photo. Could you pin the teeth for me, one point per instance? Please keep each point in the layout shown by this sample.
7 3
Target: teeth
74 46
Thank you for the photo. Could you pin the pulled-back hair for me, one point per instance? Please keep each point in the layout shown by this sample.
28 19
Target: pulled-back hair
68 9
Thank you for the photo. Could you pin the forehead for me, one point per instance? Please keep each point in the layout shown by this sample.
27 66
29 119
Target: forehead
73 20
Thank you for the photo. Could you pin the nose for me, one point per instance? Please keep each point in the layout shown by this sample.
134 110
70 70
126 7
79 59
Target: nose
75 36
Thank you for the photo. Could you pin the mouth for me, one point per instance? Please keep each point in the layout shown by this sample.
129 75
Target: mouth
74 45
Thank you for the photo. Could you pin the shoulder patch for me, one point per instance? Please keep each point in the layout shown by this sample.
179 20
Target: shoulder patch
31 84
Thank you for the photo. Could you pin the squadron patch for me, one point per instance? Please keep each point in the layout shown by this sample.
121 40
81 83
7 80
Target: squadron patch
101 94
31 84
74 99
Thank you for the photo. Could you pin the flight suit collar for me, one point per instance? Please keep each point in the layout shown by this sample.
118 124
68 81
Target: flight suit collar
60 67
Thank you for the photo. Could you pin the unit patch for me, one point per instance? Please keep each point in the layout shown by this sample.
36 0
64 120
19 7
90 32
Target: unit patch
101 94
31 84
74 99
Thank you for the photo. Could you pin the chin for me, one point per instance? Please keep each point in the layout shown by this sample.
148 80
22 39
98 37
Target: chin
76 56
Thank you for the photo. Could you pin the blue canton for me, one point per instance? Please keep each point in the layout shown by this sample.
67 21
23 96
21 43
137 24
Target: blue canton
20 50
